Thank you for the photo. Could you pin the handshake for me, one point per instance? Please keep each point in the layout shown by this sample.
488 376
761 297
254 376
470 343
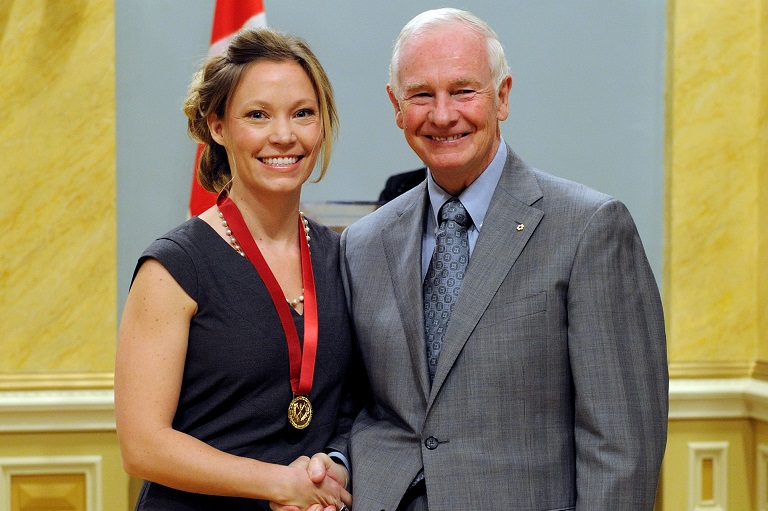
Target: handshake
326 489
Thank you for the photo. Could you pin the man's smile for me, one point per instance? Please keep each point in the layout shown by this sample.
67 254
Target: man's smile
446 139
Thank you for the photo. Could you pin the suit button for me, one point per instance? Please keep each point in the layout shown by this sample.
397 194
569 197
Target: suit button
431 443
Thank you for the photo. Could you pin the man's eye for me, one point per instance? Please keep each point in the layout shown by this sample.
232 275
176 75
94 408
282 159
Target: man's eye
419 98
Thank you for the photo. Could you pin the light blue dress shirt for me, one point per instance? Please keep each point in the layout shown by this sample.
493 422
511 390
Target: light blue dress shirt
476 199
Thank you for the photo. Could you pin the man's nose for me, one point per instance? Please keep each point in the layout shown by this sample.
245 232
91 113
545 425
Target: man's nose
443 112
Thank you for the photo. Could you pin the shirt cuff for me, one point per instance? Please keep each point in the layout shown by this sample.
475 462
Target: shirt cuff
339 458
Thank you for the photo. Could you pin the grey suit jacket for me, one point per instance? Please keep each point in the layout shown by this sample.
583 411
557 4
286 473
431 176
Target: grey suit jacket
551 388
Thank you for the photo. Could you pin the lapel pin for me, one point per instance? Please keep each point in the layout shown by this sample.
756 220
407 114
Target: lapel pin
520 227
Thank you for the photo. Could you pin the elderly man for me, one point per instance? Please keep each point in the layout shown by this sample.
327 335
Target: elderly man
508 320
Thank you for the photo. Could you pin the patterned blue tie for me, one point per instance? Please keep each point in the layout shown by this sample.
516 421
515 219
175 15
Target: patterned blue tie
444 276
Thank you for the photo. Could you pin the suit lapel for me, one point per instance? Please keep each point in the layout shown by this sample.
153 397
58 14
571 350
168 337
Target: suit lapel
402 249
500 243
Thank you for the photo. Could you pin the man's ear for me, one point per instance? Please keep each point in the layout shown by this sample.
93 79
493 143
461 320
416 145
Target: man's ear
396 105
216 127
502 108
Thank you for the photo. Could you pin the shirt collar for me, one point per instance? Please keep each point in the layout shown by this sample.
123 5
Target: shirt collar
477 197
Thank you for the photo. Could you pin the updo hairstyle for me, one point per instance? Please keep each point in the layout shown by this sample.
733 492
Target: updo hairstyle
216 80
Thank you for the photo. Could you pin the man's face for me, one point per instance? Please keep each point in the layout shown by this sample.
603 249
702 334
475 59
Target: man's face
448 107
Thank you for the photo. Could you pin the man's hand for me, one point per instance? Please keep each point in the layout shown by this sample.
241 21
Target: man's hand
318 468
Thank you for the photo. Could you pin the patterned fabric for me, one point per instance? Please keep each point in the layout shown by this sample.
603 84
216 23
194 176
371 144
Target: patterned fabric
444 276
559 301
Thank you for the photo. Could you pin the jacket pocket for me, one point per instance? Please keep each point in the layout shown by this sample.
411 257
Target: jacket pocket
519 308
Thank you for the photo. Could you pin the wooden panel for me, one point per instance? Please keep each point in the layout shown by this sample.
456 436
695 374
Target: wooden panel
708 476
48 492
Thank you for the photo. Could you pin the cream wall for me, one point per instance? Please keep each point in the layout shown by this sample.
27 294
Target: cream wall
57 246
716 106
762 198
716 241
58 257
57 216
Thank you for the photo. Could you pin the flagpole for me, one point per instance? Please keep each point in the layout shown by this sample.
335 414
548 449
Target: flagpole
228 18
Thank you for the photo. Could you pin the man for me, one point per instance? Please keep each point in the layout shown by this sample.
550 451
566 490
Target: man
544 384
398 184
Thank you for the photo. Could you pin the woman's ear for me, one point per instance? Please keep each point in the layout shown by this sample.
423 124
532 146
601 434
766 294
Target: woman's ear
216 127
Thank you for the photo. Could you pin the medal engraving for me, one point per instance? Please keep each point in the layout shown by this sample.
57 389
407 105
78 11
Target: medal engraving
300 412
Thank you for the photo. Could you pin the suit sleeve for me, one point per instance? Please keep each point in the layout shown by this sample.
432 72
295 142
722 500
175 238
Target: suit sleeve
617 348
356 382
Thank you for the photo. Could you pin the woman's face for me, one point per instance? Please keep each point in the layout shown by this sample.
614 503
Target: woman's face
271 129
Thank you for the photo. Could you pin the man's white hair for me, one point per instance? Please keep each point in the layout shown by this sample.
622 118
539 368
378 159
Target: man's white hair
445 16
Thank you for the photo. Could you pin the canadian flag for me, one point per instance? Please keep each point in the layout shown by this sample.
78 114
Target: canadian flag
229 17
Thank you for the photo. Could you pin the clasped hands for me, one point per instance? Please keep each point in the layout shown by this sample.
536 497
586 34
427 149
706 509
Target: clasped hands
328 484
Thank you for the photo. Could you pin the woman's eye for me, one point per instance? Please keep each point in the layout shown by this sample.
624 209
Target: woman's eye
256 115
305 112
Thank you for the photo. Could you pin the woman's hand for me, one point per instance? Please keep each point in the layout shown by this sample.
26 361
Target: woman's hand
319 483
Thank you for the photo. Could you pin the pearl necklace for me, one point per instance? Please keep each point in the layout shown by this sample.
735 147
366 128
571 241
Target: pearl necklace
233 241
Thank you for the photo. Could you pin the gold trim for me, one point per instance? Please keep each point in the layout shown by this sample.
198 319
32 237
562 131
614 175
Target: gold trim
69 381
698 370
760 371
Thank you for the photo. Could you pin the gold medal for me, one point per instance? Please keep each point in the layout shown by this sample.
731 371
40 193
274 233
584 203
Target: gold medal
300 412
301 358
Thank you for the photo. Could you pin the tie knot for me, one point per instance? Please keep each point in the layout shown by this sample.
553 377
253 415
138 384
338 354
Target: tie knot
454 210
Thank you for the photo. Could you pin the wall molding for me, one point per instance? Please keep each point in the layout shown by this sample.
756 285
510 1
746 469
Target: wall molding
726 398
714 370
93 410
57 410
760 371
57 381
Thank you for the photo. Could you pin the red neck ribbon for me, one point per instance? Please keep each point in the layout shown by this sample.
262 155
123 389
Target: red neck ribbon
302 361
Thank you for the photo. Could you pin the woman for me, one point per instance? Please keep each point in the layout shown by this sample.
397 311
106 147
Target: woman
234 340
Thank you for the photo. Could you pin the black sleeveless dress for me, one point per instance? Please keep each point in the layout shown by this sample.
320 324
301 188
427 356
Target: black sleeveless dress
236 385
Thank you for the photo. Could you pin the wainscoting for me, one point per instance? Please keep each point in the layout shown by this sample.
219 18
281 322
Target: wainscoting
717 448
58 449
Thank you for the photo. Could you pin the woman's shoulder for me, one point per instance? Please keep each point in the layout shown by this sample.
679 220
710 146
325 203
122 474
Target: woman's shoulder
181 249
194 233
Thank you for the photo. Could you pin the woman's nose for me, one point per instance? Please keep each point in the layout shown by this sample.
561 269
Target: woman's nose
282 132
